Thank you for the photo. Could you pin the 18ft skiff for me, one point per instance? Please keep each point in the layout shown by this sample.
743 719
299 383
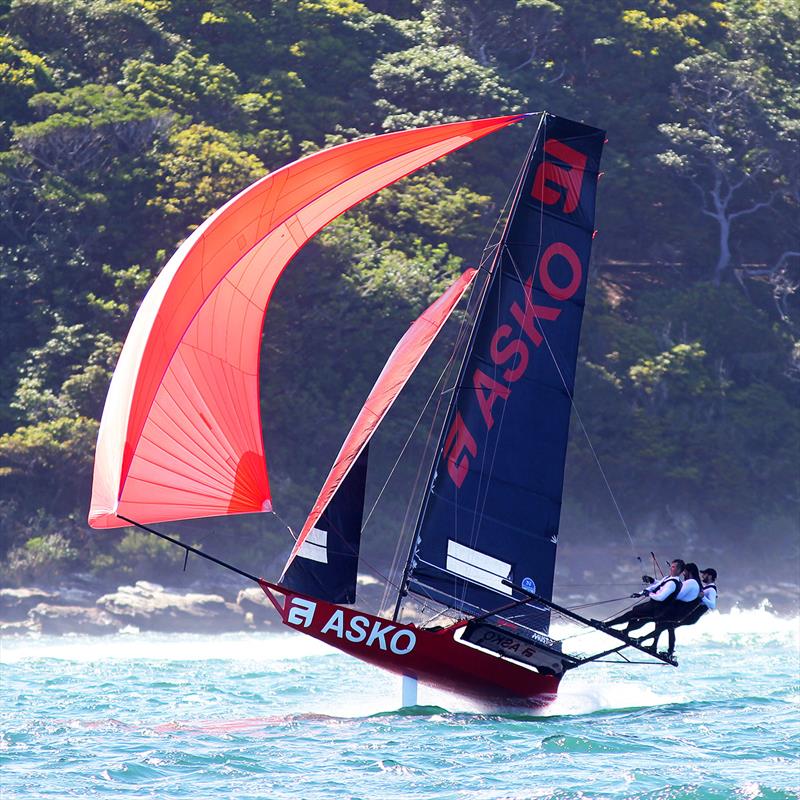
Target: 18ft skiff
181 436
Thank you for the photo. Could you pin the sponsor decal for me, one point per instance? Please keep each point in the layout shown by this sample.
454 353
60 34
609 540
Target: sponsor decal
507 641
301 613
356 628
558 182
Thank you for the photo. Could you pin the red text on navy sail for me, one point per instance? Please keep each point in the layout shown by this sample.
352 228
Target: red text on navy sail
555 184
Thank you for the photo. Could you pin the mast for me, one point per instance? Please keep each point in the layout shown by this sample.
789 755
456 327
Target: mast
496 258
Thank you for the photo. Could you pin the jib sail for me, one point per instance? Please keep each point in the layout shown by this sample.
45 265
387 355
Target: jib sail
324 560
325 564
491 512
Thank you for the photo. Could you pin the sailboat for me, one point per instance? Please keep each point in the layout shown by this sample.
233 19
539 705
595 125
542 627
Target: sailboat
181 436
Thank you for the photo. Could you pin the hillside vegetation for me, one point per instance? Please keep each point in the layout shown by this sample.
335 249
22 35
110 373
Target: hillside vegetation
126 122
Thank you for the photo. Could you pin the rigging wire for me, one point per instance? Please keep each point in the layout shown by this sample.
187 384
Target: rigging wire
656 564
401 537
367 563
444 372
284 523
599 603
411 435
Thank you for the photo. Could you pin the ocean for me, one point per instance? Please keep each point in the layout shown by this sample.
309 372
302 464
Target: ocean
277 715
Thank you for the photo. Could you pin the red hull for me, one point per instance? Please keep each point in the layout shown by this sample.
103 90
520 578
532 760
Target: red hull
434 658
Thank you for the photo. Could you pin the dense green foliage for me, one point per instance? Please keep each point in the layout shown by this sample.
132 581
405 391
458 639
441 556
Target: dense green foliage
126 122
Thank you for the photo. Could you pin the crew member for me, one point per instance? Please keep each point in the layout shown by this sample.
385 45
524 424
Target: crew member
671 615
664 591
706 600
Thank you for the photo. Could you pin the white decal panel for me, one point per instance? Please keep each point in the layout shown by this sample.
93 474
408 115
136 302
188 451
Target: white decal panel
478 567
315 546
302 612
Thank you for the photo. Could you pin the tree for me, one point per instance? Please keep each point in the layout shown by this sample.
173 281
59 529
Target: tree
429 84
189 85
203 168
514 33
86 127
22 74
729 139
89 39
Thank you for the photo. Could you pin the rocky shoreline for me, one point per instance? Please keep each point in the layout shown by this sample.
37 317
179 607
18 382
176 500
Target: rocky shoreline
91 608
144 606
147 606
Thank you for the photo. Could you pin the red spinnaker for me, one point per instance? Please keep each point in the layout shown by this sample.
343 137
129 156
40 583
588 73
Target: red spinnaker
395 374
180 435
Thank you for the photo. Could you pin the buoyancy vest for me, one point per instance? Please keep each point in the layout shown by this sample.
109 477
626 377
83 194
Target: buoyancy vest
703 594
687 612
671 598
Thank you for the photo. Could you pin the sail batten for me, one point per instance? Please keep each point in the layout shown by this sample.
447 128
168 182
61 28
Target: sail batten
197 334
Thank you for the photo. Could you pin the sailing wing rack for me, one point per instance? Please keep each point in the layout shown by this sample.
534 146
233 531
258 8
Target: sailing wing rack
503 638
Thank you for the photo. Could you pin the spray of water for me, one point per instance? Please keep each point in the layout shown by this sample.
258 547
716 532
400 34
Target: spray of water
598 688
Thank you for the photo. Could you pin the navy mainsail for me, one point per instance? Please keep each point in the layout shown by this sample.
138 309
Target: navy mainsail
491 512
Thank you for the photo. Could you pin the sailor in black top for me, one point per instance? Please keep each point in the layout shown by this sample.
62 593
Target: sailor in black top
658 595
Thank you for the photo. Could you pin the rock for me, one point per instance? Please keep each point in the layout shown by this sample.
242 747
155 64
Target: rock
50 619
257 606
16 603
23 628
148 606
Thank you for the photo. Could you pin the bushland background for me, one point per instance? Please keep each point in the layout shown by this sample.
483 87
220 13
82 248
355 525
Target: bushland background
126 122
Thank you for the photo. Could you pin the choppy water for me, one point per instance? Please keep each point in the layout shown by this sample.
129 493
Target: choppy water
282 716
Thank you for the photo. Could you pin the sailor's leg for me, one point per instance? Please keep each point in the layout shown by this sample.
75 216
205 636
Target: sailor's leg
635 624
638 612
654 635
626 617
671 645
694 615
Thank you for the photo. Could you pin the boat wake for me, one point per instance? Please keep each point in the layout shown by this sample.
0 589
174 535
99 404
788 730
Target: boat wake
281 660
578 697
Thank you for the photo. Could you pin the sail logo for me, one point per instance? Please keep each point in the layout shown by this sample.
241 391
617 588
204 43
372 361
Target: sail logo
356 628
554 184
567 178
